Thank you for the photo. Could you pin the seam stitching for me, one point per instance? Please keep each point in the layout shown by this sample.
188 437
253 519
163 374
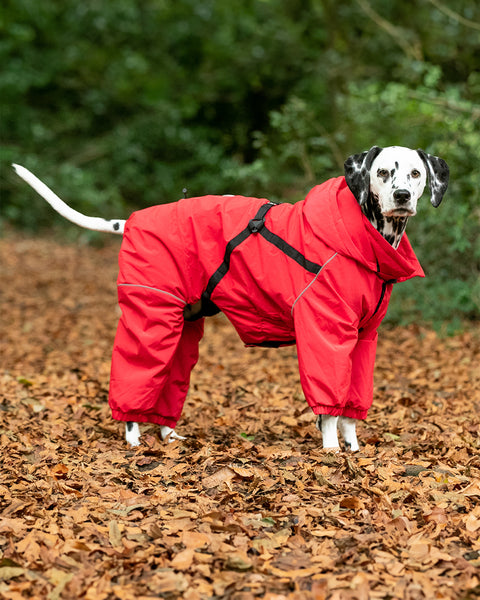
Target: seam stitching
148 287
311 283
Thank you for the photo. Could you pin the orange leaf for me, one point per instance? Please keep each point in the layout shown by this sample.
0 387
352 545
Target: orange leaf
183 560
59 471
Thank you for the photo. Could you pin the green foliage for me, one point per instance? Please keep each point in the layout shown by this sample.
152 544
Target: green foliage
120 105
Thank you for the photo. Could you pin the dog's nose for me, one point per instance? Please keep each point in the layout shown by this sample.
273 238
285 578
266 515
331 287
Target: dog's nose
401 196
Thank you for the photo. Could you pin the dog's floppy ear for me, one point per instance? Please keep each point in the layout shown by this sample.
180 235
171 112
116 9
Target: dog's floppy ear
437 174
357 173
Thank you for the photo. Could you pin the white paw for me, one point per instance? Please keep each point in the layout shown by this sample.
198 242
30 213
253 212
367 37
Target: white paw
328 426
132 433
169 434
347 428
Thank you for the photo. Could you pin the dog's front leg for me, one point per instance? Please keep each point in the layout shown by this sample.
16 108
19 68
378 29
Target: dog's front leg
347 428
328 426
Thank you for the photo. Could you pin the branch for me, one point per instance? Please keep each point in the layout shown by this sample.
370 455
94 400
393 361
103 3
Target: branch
394 32
455 16
474 111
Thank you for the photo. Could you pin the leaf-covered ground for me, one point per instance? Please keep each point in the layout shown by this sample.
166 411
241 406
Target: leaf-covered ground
249 506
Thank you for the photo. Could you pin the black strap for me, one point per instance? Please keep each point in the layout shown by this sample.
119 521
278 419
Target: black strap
256 225
290 251
382 294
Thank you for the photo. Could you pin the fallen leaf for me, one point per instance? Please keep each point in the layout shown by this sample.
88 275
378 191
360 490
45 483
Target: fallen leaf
114 534
437 515
183 560
239 562
223 475
7 573
472 523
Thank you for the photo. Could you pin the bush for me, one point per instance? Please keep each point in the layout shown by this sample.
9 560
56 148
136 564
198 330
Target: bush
120 105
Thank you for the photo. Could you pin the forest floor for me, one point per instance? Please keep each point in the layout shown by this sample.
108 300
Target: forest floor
248 506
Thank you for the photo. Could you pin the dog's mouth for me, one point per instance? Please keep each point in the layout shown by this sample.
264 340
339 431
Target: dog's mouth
400 212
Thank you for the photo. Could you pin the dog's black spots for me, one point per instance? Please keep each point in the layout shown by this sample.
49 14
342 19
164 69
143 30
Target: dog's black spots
373 212
357 173
443 172
380 223
392 172
399 224
390 238
129 425
437 175
396 165
357 180
116 226
348 445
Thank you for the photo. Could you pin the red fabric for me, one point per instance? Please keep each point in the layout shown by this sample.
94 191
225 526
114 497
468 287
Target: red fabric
168 254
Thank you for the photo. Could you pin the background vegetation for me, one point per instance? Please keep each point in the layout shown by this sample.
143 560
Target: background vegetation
120 105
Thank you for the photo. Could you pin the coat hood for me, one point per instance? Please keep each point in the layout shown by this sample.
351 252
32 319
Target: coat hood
335 217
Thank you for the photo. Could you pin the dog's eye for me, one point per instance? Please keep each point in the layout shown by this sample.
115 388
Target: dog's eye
415 174
383 173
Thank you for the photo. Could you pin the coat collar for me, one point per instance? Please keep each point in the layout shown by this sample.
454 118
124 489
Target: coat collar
336 218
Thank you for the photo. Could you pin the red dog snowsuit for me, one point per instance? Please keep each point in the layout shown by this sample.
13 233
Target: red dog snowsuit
329 297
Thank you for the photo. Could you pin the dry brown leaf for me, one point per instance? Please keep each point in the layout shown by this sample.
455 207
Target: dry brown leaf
437 515
7 573
223 475
194 539
183 560
244 472
472 523
114 534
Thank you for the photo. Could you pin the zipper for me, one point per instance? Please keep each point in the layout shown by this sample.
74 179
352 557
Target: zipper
382 295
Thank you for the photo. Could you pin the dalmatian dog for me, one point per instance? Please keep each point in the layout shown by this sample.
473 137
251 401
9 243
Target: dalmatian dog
386 182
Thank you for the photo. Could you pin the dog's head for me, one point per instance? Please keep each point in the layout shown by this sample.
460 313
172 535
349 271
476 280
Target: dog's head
396 177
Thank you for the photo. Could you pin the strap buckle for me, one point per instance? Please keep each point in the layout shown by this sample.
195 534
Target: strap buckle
255 225
258 222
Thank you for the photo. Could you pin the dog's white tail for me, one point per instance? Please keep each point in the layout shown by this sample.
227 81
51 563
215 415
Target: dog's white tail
95 223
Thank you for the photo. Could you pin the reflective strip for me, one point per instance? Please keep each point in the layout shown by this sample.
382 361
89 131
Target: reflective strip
147 287
312 282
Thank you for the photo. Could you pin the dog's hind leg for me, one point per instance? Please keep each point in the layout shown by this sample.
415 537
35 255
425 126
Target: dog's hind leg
347 428
328 426
132 433
169 434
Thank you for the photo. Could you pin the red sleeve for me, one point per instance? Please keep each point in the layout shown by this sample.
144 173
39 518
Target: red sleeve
326 331
336 358
360 395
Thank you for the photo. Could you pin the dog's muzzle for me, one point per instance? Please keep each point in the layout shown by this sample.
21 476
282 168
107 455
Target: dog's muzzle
401 196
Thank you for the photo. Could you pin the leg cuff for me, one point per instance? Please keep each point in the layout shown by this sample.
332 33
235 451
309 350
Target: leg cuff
334 411
143 418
